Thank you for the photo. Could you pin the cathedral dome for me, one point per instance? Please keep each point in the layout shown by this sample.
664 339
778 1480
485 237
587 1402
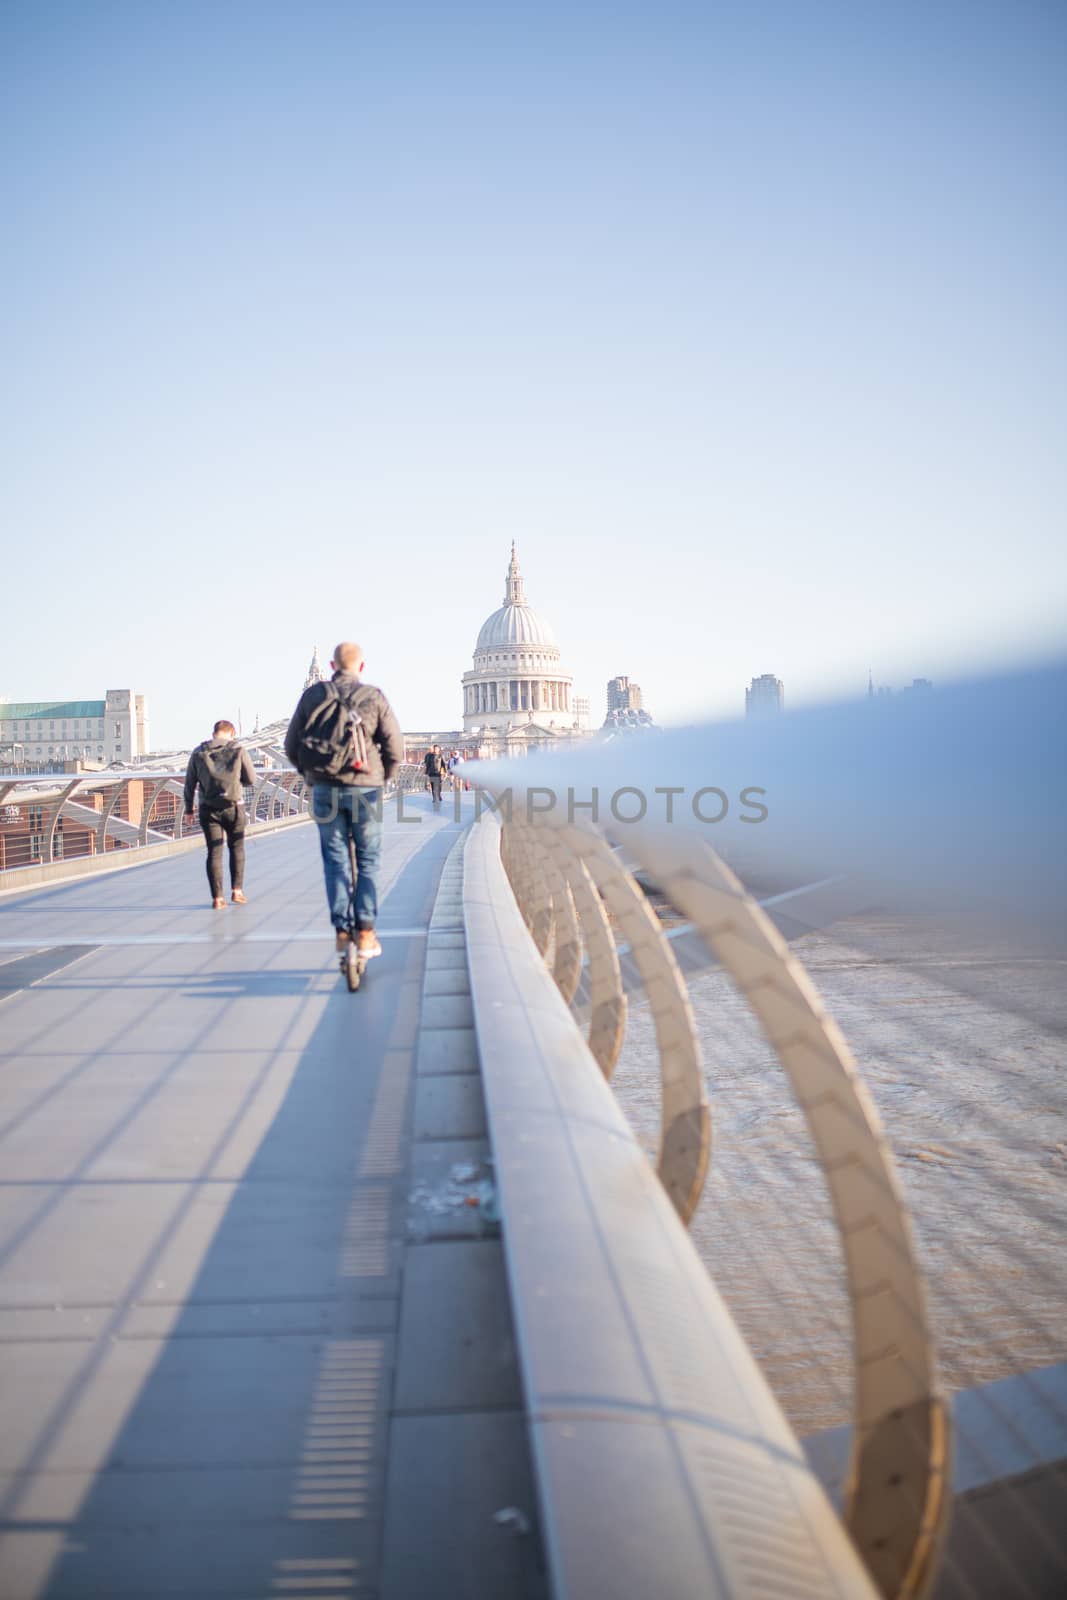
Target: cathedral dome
516 624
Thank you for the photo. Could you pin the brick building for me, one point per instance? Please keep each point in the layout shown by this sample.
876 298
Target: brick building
26 817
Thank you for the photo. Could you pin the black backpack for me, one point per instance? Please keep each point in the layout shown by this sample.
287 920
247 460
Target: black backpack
332 742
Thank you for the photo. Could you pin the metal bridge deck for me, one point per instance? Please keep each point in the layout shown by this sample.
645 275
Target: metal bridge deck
205 1150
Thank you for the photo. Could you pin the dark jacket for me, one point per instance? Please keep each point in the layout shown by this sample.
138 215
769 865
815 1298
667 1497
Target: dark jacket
434 763
222 769
385 742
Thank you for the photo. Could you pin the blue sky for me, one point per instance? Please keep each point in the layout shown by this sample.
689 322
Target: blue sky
745 321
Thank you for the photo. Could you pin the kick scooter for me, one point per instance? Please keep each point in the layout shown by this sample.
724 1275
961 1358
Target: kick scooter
353 965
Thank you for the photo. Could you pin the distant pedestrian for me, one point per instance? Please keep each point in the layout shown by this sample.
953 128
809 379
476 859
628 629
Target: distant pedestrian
435 771
345 739
221 769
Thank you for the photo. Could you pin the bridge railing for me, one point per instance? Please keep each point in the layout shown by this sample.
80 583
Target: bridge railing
47 821
860 802
577 901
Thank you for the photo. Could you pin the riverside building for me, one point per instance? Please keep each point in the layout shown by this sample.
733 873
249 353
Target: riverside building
35 732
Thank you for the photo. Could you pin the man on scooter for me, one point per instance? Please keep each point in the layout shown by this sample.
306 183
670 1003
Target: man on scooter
345 740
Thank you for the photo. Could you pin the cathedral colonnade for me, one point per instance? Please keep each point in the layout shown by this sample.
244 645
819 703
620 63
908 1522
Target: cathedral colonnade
517 694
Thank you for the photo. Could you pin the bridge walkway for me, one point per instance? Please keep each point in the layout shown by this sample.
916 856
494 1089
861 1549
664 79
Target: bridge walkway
246 1350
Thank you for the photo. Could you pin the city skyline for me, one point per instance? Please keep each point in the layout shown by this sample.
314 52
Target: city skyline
19 744
742 321
765 692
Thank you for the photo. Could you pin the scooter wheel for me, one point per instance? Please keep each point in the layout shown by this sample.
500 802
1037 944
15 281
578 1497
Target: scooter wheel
353 970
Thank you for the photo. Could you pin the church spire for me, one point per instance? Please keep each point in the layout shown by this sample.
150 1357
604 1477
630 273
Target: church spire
315 672
513 594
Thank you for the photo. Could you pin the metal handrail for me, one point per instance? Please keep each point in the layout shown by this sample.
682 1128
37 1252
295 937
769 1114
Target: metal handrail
110 832
663 1463
951 801
897 1500
279 793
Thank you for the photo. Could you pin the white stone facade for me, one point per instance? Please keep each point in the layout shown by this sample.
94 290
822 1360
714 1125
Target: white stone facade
46 731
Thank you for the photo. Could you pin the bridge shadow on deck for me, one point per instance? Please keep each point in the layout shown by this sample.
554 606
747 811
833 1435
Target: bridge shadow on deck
233 1445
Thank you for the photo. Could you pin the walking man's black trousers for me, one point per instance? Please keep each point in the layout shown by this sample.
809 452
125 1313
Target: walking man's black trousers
226 823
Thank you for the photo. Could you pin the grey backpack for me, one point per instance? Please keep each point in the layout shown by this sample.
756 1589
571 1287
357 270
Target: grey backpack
333 742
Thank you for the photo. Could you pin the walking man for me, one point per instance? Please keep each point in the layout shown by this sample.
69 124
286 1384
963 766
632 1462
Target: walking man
345 740
435 771
221 768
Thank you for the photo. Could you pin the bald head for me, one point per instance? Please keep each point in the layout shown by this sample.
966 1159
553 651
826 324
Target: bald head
348 657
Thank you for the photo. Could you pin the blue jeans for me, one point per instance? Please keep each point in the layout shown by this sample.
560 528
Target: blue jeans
343 813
